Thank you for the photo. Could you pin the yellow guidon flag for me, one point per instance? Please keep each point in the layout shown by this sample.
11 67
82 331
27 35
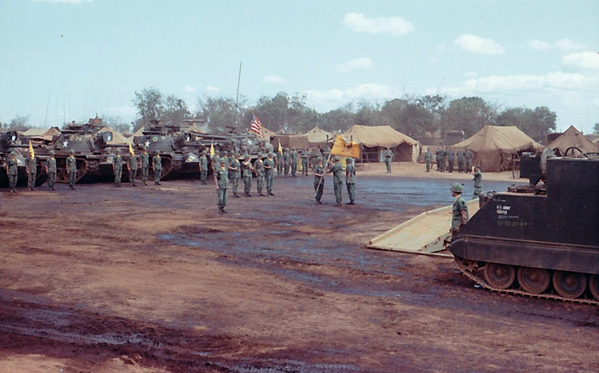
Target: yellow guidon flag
345 148
211 149
280 149
131 150
31 152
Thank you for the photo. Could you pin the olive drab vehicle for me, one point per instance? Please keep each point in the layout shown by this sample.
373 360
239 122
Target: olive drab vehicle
11 141
540 239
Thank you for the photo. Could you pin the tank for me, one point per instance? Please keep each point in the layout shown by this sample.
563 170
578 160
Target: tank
12 141
541 239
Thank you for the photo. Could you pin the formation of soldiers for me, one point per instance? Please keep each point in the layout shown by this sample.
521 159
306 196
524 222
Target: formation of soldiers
446 159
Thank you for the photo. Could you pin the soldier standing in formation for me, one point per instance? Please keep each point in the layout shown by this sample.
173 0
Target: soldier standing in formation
117 168
459 215
51 170
428 158
203 164
305 162
388 159
269 166
12 170
460 156
31 167
293 161
72 169
478 181
247 175
286 162
468 157
279 163
336 169
350 180
222 184
215 160
259 167
234 173
450 159
442 159
132 167
318 180
145 166
438 159
157 167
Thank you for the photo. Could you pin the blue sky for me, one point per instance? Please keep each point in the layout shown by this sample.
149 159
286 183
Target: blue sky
87 57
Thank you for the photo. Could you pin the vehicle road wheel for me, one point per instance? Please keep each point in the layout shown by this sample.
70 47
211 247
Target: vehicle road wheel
569 284
594 286
499 276
533 280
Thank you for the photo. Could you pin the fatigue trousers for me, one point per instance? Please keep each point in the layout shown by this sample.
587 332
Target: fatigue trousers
132 176
144 173
118 174
468 166
450 165
72 178
31 180
234 185
269 181
12 181
351 191
247 184
388 165
203 176
260 183
337 185
286 169
428 165
157 175
51 179
222 197
293 169
305 167
279 168
318 190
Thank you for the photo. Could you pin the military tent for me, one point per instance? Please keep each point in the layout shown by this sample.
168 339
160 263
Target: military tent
41 134
267 134
572 137
374 140
318 138
497 148
289 141
117 137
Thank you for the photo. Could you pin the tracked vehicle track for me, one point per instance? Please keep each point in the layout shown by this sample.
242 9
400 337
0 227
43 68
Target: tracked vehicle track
471 269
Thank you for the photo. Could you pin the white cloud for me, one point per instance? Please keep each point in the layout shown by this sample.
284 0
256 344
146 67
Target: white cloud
470 74
394 26
565 45
63 1
476 44
358 63
190 89
337 97
586 60
212 89
273 79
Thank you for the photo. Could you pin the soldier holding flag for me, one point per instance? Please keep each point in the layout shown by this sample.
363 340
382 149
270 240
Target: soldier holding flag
31 167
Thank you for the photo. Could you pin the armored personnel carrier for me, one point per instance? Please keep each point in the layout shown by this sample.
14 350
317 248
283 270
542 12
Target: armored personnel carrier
541 239
11 141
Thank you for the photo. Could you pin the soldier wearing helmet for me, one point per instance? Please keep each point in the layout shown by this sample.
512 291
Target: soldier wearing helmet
12 170
157 166
459 215
337 171
350 180
71 168
51 170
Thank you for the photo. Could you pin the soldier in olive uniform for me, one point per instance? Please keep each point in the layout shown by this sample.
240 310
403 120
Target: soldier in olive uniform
51 170
478 181
305 162
350 180
293 161
234 173
132 166
388 159
438 159
442 159
203 167
117 168
222 184
157 166
468 157
279 163
71 169
215 159
12 170
145 166
269 167
428 158
318 180
286 162
31 167
460 156
337 171
247 175
450 159
259 167
459 214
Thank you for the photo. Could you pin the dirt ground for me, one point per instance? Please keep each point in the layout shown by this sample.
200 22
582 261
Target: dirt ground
153 279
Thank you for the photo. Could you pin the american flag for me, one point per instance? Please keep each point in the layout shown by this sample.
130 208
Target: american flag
256 126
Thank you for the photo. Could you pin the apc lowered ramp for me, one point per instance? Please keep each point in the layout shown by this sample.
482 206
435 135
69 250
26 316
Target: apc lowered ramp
423 234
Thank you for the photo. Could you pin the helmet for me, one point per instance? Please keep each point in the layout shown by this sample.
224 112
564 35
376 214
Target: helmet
13 153
336 158
270 154
72 151
348 159
52 152
118 151
225 152
158 152
259 155
457 187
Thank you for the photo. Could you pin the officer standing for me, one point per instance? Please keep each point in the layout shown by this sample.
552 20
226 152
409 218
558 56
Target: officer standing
350 180
269 167
157 167
468 157
279 163
388 159
286 162
51 170
442 159
336 169
72 168
12 170
132 166
31 167
203 167
145 166
428 157
318 180
438 159
478 181
293 161
117 168
459 215
460 156
305 162
247 175
222 184
259 167
450 159
234 173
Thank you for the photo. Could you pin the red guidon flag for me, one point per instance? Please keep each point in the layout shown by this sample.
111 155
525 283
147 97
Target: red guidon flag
256 126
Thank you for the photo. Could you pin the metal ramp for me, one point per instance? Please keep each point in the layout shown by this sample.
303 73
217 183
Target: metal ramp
423 234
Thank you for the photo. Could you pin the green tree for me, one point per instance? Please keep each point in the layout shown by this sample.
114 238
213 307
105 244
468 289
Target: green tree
596 128
116 123
535 123
150 106
339 119
19 122
218 112
468 114
174 111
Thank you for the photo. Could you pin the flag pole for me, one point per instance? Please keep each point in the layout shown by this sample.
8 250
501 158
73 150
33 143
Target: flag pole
320 180
237 98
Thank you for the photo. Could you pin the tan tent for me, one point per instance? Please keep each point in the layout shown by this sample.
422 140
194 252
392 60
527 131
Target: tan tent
497 148
117 137
290 141
267 134
374 140
573 137
41 134
317 136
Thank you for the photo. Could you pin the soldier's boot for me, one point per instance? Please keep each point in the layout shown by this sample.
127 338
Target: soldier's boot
235 195
351 203
72 187
271 194
221 210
